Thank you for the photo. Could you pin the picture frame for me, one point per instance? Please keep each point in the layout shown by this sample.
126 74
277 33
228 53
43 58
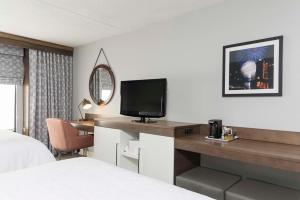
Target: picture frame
253 68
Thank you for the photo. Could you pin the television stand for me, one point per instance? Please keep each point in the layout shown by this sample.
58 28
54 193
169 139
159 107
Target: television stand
145 120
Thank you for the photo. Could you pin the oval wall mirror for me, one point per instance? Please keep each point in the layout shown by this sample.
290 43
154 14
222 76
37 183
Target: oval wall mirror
102 84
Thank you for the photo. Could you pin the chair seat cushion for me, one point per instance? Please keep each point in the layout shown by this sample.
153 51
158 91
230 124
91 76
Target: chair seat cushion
207 181
256 190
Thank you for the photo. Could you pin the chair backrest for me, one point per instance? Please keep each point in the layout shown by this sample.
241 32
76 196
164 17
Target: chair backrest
60 133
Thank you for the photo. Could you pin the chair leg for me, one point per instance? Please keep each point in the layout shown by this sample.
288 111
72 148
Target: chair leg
85 150
59 155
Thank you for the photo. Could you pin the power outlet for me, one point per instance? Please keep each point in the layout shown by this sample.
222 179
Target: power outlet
188 131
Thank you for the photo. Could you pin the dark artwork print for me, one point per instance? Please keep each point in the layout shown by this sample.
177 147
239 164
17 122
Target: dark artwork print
252 68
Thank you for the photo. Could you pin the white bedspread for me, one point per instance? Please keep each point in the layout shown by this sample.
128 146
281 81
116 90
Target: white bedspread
86 179
18 151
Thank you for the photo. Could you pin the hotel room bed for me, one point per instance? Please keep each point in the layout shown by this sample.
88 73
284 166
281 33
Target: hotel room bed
18 151
86 179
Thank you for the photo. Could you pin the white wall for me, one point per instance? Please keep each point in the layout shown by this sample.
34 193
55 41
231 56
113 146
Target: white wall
188 52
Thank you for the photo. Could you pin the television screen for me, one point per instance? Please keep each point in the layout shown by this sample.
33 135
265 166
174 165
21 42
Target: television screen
144 98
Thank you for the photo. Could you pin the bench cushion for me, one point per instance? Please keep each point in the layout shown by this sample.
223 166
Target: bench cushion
207 181
256 190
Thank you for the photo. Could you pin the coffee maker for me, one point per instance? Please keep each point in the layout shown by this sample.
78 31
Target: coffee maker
215 128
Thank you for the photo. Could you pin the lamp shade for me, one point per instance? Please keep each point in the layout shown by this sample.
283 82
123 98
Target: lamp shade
86 104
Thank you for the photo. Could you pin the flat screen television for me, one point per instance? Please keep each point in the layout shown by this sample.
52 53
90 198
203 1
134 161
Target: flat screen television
144 98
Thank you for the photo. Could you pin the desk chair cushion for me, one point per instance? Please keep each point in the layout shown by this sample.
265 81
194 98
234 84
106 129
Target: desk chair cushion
207 181
256 190
64 137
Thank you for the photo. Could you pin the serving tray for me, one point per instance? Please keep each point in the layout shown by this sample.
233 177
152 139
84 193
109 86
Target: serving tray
221 140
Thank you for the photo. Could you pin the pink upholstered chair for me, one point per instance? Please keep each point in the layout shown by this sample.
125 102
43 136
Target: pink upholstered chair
65 138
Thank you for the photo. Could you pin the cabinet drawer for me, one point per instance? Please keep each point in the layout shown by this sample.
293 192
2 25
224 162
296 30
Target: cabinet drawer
157 157
106 141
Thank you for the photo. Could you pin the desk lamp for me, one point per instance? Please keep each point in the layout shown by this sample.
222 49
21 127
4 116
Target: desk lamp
85 104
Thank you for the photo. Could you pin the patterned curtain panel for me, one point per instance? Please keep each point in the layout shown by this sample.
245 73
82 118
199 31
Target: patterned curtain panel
50 88
11 65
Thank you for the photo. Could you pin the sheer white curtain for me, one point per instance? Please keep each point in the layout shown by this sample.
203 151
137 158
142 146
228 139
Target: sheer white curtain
11 74
7 107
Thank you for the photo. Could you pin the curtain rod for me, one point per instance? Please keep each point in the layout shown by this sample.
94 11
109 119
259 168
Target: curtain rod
30 43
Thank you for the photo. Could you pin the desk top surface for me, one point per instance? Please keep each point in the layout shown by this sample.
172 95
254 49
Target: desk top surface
159 127
282 156
131 121
83 125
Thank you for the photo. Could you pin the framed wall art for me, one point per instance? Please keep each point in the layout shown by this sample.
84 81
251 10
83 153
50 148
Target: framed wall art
253 68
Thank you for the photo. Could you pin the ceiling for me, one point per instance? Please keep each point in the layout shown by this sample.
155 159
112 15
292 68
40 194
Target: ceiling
78 22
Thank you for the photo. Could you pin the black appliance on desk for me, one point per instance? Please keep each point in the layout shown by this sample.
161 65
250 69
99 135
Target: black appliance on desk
144 99
215 128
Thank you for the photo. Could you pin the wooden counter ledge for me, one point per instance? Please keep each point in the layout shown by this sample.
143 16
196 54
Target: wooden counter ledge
161 127
276 155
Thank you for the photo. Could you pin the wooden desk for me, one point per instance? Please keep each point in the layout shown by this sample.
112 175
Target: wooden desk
155 156
259 152
160 127
87 126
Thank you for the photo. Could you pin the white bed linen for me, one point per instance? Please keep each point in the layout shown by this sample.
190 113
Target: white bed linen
18 151
86 179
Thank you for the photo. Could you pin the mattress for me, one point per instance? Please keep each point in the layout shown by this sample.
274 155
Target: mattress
87 179
18 151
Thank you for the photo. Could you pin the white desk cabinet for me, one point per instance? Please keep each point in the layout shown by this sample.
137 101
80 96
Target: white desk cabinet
157 157
106 144
153 154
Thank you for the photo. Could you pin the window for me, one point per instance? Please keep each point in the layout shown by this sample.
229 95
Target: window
7 107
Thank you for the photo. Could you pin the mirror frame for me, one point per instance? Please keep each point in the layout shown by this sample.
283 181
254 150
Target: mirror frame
102 66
